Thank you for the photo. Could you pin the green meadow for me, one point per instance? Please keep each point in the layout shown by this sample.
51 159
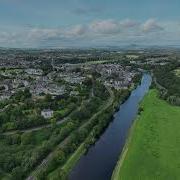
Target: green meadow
152 151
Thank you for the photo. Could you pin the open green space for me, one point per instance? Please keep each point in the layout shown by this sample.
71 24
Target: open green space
152 150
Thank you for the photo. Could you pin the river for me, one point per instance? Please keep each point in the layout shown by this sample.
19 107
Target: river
101 159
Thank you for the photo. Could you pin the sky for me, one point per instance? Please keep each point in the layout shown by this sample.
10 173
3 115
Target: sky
88 23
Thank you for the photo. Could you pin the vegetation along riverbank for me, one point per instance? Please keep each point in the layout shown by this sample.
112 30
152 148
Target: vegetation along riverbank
99 122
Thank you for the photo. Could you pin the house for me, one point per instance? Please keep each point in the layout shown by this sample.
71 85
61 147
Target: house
47 113
31 71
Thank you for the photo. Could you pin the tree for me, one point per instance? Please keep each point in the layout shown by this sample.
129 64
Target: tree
48 98
27 138
27 93
53 122
17 173
14 139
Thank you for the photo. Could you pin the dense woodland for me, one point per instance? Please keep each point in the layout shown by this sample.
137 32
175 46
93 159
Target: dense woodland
170 82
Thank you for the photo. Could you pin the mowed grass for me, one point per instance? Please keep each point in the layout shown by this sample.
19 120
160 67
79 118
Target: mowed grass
153 150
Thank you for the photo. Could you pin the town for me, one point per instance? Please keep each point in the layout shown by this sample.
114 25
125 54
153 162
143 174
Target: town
89 90
21 73
55 103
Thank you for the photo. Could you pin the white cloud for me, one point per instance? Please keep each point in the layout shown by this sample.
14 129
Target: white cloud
40 33
151 25
77 30
128 23
99 32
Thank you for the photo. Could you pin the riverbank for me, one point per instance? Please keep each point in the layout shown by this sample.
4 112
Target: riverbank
93 136
98 163
153 142
116 171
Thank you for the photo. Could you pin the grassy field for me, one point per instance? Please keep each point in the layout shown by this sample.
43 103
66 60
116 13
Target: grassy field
152 151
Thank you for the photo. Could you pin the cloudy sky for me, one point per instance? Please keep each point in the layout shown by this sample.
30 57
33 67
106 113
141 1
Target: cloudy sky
88 23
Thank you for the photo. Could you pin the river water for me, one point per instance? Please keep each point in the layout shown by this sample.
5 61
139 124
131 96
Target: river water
101 159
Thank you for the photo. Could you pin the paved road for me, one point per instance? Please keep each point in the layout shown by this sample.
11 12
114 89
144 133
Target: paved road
44 163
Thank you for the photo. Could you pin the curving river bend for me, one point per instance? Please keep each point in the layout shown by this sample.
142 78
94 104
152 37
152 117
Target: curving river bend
100 161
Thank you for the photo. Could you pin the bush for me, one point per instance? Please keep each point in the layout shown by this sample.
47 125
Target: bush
27 138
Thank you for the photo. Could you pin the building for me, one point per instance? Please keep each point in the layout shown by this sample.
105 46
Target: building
47 113
31 71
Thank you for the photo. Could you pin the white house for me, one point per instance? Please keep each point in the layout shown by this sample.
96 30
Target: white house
47 113
32 71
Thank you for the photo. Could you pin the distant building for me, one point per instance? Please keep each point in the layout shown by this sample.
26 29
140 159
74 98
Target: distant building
38 72
47 113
